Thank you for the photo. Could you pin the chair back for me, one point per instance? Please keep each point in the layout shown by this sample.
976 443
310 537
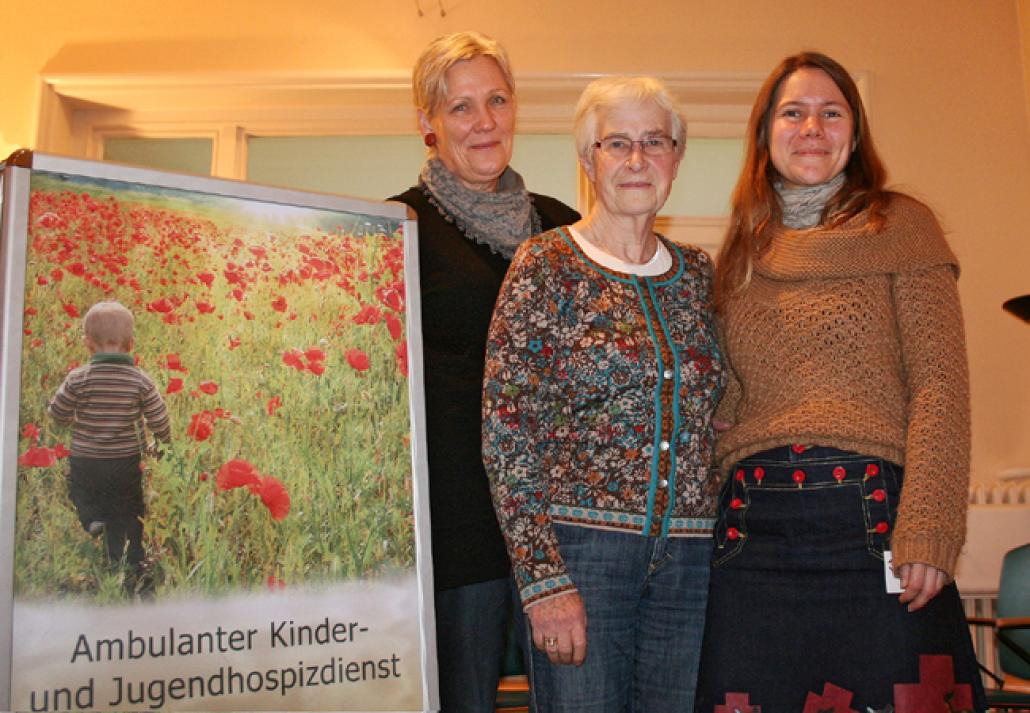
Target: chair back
1014 601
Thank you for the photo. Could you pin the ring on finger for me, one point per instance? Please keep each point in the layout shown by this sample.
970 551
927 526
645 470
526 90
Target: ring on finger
550 642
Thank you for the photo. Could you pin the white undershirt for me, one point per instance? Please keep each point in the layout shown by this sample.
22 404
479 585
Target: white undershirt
657 265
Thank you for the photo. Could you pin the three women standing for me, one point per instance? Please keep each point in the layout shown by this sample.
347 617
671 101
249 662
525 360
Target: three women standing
848 403
473 211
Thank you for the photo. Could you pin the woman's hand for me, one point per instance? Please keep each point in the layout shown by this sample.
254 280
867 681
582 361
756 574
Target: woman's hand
921 583
559 626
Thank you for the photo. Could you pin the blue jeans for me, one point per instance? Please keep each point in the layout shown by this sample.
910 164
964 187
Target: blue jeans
471 622
645 603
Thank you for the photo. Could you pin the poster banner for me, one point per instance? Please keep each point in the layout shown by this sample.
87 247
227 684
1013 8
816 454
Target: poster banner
265 546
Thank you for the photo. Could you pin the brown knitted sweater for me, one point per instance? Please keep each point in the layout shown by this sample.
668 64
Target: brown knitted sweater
854 340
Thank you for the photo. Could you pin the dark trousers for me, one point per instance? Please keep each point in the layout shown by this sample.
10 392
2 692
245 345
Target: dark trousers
470 628
110 491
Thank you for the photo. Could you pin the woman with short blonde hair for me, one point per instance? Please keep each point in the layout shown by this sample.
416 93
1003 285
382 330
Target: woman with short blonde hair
473 211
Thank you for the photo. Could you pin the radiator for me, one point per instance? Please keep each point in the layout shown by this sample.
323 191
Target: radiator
999 520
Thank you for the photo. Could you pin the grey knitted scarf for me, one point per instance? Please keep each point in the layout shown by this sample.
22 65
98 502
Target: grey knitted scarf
501 220
803 207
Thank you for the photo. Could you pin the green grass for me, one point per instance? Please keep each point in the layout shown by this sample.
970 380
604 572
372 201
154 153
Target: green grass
338 443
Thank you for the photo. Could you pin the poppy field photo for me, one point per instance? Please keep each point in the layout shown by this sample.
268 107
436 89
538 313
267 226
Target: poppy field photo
275 335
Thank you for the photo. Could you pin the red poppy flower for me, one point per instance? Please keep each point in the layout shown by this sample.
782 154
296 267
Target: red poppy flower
248 315
30 431
173 363
40 280
174 385
205 307
206 277
70 309
279 304
208 387
401 356
294 358
394 325
367 315
36 457
233 342
163 305
203 476
273 582
60 451
357 359
31 311
77 269
316 367
273 494
273 405
392 297
49 220
237 473
202 425
314 354
56 274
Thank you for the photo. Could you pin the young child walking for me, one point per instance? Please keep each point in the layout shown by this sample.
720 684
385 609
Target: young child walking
110 403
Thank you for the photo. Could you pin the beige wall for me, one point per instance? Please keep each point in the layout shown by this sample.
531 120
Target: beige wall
949 84
1024 27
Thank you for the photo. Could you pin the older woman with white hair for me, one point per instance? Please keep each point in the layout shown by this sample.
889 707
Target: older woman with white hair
473 211
602 374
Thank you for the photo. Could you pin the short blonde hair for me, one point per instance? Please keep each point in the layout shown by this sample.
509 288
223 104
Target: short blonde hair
606 93
429 78
109 325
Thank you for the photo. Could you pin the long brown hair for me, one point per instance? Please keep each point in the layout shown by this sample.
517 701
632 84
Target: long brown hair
755 206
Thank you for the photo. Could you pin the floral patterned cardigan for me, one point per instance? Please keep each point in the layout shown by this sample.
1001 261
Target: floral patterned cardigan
597 403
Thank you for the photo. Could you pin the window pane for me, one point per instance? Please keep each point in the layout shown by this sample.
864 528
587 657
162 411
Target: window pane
547 162
706 178
363 166
382 166
184 155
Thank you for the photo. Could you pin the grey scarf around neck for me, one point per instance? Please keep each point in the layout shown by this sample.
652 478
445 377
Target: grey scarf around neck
803 207
501 219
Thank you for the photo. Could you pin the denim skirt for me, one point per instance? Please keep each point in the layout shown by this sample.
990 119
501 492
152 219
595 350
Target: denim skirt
798 616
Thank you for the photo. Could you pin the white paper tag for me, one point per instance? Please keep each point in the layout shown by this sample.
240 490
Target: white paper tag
893 583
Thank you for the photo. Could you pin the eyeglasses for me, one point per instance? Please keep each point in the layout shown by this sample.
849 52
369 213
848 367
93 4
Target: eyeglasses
622 147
